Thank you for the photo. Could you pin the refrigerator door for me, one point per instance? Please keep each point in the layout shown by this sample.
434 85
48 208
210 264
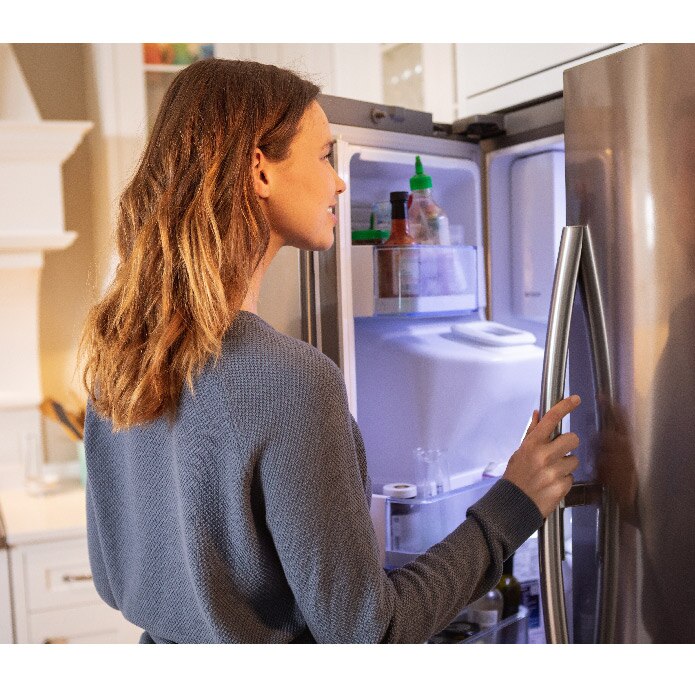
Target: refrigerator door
630 164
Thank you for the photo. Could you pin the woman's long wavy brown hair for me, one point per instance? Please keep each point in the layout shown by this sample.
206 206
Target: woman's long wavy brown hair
190 234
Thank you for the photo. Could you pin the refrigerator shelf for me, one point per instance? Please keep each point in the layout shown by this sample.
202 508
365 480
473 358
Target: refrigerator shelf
511 630
414 280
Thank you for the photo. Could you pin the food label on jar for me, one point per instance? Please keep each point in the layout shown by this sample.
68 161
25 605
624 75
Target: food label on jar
486 618
409 273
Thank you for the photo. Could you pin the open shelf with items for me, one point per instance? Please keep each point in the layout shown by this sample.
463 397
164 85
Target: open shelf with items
160 64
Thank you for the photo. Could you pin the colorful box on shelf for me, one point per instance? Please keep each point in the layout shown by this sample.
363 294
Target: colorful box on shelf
175 54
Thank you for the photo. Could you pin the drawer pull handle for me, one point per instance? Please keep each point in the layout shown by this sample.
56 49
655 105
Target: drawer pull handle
55 640
72 578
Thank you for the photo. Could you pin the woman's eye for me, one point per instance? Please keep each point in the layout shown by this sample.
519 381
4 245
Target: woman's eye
328 155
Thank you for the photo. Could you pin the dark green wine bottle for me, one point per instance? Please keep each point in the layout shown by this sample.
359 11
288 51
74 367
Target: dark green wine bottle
510 589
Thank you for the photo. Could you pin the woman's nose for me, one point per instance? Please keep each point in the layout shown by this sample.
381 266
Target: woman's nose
340 185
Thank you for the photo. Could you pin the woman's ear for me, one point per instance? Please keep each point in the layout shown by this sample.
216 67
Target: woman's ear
260 174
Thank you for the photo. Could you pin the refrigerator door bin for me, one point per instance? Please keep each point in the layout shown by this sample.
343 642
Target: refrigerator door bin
511 630
413 525
424 279
414 280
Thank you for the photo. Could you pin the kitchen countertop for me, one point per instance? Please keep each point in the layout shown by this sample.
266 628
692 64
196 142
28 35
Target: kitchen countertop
57 516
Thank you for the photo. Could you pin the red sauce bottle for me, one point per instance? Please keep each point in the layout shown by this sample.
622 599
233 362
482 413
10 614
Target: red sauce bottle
399 270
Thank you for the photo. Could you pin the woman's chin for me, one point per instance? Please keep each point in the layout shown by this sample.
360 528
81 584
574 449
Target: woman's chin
318 243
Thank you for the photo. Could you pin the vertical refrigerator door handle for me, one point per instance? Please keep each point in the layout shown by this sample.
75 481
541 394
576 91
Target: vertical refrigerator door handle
551 545
608 512
576 264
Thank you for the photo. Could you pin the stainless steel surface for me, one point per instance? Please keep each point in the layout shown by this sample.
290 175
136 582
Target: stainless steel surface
577 265
308 296
630 160
550 544
343 110
604 387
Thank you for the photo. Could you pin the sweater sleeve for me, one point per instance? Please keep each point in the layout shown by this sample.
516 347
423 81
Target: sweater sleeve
319 520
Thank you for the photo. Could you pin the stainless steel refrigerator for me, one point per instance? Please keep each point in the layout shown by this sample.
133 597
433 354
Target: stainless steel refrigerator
612 161
630 172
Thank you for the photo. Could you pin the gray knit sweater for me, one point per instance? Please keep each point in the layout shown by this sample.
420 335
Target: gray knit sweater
247 519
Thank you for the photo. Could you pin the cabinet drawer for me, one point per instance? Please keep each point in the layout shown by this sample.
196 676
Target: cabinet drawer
85 624
57 574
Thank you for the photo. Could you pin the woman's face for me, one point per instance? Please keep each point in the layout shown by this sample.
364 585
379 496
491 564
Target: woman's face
300 192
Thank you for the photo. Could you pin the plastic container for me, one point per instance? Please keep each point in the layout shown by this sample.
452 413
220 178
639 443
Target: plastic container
433 471
426 219
427 386
381 216
413 525
512 630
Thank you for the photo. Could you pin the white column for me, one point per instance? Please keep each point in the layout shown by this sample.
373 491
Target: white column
32 152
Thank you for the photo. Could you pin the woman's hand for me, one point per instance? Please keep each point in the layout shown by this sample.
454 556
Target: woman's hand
540 467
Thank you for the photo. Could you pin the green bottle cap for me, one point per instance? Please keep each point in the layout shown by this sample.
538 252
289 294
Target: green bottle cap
420 181
369 234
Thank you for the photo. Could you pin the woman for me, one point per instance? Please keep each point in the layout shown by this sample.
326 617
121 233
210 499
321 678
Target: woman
228 497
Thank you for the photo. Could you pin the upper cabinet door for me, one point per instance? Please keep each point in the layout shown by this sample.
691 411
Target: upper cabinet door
492 77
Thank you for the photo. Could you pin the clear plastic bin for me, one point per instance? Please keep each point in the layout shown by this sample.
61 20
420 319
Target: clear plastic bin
511 630
425 279
413 525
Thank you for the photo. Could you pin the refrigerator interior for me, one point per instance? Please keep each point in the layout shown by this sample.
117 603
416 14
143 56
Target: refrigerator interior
415 382
526 213
525 207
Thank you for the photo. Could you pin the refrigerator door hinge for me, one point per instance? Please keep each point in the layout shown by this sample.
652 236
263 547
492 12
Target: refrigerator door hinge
480 126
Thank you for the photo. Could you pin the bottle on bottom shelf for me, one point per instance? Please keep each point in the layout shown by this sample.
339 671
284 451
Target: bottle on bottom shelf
510 589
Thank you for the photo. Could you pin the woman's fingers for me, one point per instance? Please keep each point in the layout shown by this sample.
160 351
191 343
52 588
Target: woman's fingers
541 467
567 465
532 424
560 446
547 425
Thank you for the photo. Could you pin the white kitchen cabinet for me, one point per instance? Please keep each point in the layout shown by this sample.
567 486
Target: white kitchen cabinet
53 598
6 636
420 76
494 77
